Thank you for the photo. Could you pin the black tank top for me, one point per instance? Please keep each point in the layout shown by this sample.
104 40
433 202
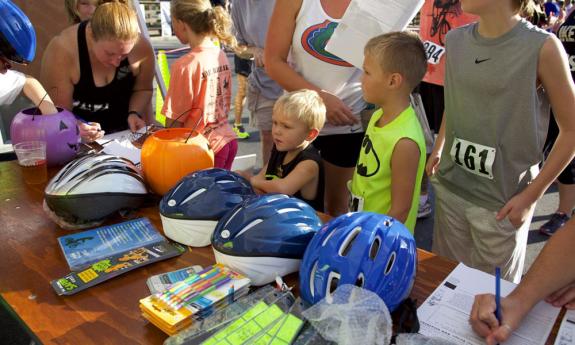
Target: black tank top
107 105
566 34
276 168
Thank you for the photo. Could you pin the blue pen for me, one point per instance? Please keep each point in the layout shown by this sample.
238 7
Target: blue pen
86 122
498 294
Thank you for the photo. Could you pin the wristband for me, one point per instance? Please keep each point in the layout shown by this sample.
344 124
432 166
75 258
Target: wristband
135 113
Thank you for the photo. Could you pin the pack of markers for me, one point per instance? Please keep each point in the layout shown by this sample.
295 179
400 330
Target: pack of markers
194 298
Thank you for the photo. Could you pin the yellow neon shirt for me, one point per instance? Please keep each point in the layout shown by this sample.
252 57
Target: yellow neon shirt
372 175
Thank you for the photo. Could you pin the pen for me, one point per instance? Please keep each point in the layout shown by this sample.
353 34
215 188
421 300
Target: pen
86 122
498 294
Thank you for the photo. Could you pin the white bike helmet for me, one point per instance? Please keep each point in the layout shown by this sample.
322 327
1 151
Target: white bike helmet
91 188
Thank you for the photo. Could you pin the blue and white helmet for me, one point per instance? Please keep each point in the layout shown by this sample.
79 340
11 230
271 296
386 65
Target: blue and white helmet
192 208
265 236
91 188
366 249
17 35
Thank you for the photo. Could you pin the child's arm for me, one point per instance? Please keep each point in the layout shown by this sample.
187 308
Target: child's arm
301 175
404 163
435 156
36 93
553 71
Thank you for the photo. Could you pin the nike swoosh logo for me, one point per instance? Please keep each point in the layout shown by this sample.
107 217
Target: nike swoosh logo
477 61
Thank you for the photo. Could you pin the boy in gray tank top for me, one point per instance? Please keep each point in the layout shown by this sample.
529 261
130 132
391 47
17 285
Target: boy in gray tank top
499 73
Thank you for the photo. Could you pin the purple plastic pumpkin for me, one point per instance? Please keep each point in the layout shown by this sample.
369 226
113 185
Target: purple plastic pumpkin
59 130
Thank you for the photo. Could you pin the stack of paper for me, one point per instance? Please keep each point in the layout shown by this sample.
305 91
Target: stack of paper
445 313
193 298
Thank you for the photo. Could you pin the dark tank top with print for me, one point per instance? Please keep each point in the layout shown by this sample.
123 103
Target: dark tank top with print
108 105
566 34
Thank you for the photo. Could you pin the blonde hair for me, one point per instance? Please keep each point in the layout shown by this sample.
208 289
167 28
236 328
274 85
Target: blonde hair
399 52
114 20
305 105
204 19
525 8
71 7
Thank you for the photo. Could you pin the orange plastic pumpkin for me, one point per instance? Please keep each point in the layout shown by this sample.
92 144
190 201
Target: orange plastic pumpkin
167 157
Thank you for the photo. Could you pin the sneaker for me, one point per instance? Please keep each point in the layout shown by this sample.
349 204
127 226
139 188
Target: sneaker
555 223
424 209
241 132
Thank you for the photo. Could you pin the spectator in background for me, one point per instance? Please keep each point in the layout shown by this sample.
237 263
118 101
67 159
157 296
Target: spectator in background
251 19
201 81
80 10
301 29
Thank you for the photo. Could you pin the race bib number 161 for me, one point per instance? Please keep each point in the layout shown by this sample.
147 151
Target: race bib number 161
475 158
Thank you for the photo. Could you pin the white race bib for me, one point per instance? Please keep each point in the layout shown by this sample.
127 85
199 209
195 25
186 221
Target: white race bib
434 52
475 158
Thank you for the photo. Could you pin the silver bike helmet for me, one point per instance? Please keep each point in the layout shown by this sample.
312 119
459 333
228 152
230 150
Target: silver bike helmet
91 188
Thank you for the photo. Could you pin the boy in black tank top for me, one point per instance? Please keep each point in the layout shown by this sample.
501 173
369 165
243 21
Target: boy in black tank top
107 105
295 167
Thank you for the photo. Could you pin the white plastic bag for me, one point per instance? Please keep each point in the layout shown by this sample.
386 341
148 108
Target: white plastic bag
352 316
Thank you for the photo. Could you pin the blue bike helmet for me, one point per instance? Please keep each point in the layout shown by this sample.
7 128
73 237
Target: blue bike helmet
17 35
366 249
192 208
266 236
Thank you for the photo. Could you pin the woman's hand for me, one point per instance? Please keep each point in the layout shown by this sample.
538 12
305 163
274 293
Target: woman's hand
338 113
90 131
135 122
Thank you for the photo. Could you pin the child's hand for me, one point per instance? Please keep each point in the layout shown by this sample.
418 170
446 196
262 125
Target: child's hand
245 174
516 209
433 163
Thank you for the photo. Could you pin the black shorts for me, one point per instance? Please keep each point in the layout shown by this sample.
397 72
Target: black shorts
341 150
242 66
567 176
433 103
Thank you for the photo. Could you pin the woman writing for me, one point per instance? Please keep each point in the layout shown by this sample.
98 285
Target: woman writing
102 70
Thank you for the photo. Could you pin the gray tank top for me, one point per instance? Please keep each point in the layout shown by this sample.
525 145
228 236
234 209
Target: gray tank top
496 115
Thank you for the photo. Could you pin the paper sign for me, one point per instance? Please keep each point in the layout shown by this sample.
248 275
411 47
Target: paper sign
365 19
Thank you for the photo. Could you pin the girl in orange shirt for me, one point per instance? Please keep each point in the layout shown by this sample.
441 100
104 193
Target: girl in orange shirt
201 81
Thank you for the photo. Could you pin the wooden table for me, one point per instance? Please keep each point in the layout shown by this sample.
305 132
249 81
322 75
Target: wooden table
107 313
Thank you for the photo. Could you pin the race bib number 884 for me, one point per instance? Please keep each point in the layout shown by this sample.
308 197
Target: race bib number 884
475 158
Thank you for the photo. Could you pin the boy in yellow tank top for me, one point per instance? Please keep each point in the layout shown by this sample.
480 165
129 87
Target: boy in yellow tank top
388 173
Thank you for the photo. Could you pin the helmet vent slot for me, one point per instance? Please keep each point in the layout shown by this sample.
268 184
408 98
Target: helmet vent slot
194 195
333 231
312 279
286 210
360 281
390 263
348 242
374 248
332 283
249 226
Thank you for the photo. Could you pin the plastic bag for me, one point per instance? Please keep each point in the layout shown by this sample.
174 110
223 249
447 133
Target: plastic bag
351 316
418 339
203 329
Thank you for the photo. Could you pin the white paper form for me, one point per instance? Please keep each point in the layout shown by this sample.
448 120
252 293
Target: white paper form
566 334
446 311
365 19
119 144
